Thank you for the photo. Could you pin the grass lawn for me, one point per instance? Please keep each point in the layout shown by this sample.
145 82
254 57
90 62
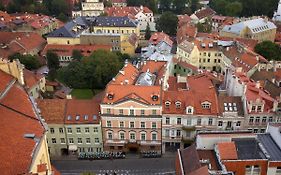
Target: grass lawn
82 93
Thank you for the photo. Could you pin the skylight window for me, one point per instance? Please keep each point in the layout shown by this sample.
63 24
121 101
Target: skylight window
69 117
77 117
86 117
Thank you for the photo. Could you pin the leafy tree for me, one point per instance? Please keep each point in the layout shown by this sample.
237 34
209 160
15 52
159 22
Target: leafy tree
269 50
179 6
205 27
147 32
165 5
194 5
167 23
62 17
13 8
2 6
58 7
30 62
52 60
234 8
218 6
77 55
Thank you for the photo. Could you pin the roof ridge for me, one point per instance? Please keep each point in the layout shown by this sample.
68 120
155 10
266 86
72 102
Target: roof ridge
11 83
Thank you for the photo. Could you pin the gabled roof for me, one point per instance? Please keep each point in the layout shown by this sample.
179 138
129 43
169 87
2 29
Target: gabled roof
5 80
157 37
227 151
130 11
205 12
52 110
31 79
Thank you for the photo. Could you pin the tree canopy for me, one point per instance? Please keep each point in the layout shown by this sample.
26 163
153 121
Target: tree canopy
269 50
92 72
30 62
52 60
147 32
244 7
167 23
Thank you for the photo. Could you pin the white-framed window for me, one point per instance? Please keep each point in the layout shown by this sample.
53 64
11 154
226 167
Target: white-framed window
121 124
238 123
167 132
121 111
153 125
96 129
142 112
178 133
121 135
52 130
142 124
78 130
61 130
132 112
69 130
132 124
154 136
167 120
108 123
143 137
220 123
108 111
109 135
62 140
210 122
79 140
179 121
70 140
189 110
154 111
199 121
132 136
88 140
97 140
206 105
87 130
54 140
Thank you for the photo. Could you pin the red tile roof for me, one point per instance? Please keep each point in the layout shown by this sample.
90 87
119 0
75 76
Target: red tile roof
66 50
31 79
21 42
18 118
157 37
227 151
186 31
203 13
200 89
6 79
130 11
82 108
183 19
52 110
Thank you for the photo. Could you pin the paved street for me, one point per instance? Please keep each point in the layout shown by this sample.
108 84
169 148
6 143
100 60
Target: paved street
128 166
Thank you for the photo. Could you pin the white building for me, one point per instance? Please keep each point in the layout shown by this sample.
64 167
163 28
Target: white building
89 8
277 14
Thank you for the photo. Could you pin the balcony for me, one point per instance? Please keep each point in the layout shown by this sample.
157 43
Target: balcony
188 128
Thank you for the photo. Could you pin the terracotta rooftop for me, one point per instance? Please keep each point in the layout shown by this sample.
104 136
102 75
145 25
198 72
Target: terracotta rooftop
6 79
231 104
82 111
21 42
186 31
199 89
203 13
183 19
158 37
52 110
31 79
227 151
130 11
66 50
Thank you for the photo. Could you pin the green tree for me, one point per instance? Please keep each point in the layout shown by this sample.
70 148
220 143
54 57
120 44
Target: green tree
194 4
167 23
2 6
179 6
62 17
269 50
147 32
52 60
219 5
233 9
77 55
30 62
165 5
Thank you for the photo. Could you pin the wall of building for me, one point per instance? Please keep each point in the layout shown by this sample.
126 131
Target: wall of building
63 40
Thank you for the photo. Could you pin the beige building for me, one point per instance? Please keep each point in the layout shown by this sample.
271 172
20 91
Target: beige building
89 8
259 29
23 130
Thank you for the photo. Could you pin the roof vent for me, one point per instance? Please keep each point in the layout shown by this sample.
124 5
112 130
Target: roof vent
29 136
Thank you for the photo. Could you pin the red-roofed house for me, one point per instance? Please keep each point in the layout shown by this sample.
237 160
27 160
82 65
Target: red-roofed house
201 15
131 108
190 106
24 147
20 42
142 14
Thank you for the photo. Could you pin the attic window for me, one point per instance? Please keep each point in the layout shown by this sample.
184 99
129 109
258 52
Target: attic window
110 96
155 97
94 117
69 117
167 104
206 105
77 117
86 117
178 104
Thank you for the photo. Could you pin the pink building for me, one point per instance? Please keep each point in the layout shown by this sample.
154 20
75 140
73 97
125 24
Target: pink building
131 108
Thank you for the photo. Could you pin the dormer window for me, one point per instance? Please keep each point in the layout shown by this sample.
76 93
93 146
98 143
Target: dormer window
189 110
178 104
167 104
206 105
69 117
110 96
86 117
154 97
77 117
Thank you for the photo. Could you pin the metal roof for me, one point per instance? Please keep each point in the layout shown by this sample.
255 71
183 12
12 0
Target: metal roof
270 146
